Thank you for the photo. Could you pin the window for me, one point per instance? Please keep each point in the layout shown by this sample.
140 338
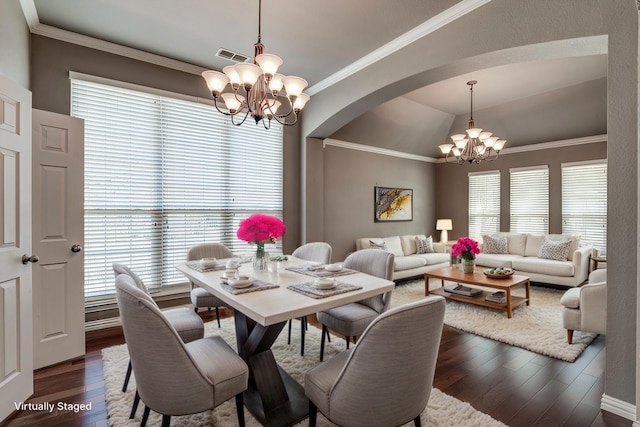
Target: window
484 203
163 174
584 202
529 200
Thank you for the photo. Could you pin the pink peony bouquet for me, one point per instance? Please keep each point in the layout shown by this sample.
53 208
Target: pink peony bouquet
261 229
465 248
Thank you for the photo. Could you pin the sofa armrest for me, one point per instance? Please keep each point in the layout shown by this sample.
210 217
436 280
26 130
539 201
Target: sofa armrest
581 263
593 306
440 247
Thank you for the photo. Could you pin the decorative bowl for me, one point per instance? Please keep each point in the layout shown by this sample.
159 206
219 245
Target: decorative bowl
208 262
324 283
498 273
333 267
239 283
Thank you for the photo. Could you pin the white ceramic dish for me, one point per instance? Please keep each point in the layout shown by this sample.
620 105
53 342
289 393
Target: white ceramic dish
239 283
232 264
333 267
208 262
324 283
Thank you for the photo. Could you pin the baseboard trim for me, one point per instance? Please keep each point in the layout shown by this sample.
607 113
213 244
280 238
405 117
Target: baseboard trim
620 408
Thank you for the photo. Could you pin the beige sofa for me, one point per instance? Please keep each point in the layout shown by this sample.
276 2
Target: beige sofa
522 256
407 262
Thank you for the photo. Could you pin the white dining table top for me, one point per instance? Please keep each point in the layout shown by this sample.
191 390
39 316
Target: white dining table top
271 306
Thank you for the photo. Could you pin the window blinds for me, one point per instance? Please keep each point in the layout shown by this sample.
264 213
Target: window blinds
484 203
529 200
164 174
584 202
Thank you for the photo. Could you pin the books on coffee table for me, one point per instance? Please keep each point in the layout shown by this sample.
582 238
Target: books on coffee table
463 290
499 297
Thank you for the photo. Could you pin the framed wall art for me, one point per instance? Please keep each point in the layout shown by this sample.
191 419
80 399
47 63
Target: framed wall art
393 204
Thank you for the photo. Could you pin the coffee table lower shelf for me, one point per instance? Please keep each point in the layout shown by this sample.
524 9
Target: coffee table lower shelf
516 301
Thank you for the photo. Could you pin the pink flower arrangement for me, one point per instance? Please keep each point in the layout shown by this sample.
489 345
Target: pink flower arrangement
465 248
261 229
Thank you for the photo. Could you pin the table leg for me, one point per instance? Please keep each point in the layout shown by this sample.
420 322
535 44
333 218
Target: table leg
426 285
273 397
527 288
508 302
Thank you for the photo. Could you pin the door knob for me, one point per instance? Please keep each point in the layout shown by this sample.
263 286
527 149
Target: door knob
76 248
27 259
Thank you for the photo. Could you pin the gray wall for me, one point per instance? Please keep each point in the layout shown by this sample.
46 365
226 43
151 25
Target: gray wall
53 59
14 43
453 203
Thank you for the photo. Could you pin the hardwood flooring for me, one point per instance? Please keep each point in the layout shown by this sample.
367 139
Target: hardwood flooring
512 385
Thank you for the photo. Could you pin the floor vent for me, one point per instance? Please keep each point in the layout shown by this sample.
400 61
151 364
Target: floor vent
231 56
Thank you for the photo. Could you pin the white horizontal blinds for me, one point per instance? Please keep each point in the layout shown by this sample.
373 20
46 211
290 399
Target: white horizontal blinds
484 203
529 200
584 202
160 179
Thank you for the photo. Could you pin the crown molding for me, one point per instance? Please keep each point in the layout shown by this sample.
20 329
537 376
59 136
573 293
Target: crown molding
525 148
460 9
30 14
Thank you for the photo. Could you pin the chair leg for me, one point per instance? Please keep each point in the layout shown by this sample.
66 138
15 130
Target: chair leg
240 409
417 422
127 377
348 340
218 316
166 420
570 336
134 407
324 333
195 309
145 416
289 333
302 328
313 414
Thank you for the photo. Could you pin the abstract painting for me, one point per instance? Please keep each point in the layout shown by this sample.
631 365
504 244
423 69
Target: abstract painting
393 204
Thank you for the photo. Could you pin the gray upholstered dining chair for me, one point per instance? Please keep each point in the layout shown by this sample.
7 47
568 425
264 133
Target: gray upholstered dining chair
386 379
317 252
187 324
350 320
174 378
201 297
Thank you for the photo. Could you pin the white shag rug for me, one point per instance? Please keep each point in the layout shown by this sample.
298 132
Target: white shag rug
442 409
537 327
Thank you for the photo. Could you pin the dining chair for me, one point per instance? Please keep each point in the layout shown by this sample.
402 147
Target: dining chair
316 252
386 379
174 378
201 297
187 324
350 320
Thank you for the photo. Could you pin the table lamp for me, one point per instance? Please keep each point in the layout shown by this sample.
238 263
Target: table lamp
444 225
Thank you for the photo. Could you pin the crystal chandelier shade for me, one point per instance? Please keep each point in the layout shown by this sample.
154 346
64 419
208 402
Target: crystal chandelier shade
474 147
256 89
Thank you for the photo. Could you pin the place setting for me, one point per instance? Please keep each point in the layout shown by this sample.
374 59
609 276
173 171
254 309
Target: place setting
323 287
235 283
314 269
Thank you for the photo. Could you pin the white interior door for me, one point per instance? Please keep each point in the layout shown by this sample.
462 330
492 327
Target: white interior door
58 229
16 342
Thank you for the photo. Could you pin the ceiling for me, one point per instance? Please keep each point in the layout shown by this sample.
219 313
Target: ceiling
316 39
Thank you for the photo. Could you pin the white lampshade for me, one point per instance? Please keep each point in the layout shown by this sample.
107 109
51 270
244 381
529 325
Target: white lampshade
232 73
248 73
269 63
276 83
216 81
294 85
456 151
233 102
484 135
461 143
490 142
445 148
458 136
301 100
474 132
444 225
272 109
499 144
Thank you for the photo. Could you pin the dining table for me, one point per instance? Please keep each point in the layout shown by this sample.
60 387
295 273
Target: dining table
273 397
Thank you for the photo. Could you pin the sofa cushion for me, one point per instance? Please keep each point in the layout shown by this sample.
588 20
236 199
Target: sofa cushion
408 243
393 245
408 262
432 258
424 246
378 244
534 241
549 267
496 260
495 245
515 241
557 250
575 242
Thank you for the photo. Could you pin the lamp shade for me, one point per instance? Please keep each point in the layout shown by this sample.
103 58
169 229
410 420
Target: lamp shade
444 224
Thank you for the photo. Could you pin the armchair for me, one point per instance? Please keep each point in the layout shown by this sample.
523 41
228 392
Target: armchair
585 308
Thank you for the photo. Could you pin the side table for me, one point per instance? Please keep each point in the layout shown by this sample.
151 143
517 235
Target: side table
596 259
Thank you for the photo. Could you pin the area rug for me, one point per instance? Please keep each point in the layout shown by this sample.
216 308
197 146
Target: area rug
537 327
442 409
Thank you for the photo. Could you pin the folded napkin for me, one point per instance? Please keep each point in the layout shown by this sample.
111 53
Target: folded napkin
320 272
256 285
310 290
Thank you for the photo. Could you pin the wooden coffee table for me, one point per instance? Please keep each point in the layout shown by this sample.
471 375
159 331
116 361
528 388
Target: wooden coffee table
479 279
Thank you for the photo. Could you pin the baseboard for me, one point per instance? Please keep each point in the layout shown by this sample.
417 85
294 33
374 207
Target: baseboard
620 408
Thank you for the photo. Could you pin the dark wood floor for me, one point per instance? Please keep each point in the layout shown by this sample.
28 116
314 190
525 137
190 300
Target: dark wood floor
513 385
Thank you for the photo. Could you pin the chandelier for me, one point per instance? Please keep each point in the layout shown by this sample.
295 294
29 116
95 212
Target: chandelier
256 89
475 146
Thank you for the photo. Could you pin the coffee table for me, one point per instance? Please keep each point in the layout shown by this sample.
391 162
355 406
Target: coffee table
479 279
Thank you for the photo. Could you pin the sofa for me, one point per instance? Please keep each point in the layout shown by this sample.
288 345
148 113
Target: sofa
522 254
408 262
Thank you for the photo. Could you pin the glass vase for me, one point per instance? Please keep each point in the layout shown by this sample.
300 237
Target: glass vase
468 265
260 259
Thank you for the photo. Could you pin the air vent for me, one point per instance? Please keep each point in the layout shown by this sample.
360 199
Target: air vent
231 56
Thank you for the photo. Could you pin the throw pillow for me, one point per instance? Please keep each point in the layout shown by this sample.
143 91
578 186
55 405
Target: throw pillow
495 245
381 245
557 250
424 246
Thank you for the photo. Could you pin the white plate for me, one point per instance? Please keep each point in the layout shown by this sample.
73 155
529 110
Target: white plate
208 262
239 283
324 283
333 267
325 287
